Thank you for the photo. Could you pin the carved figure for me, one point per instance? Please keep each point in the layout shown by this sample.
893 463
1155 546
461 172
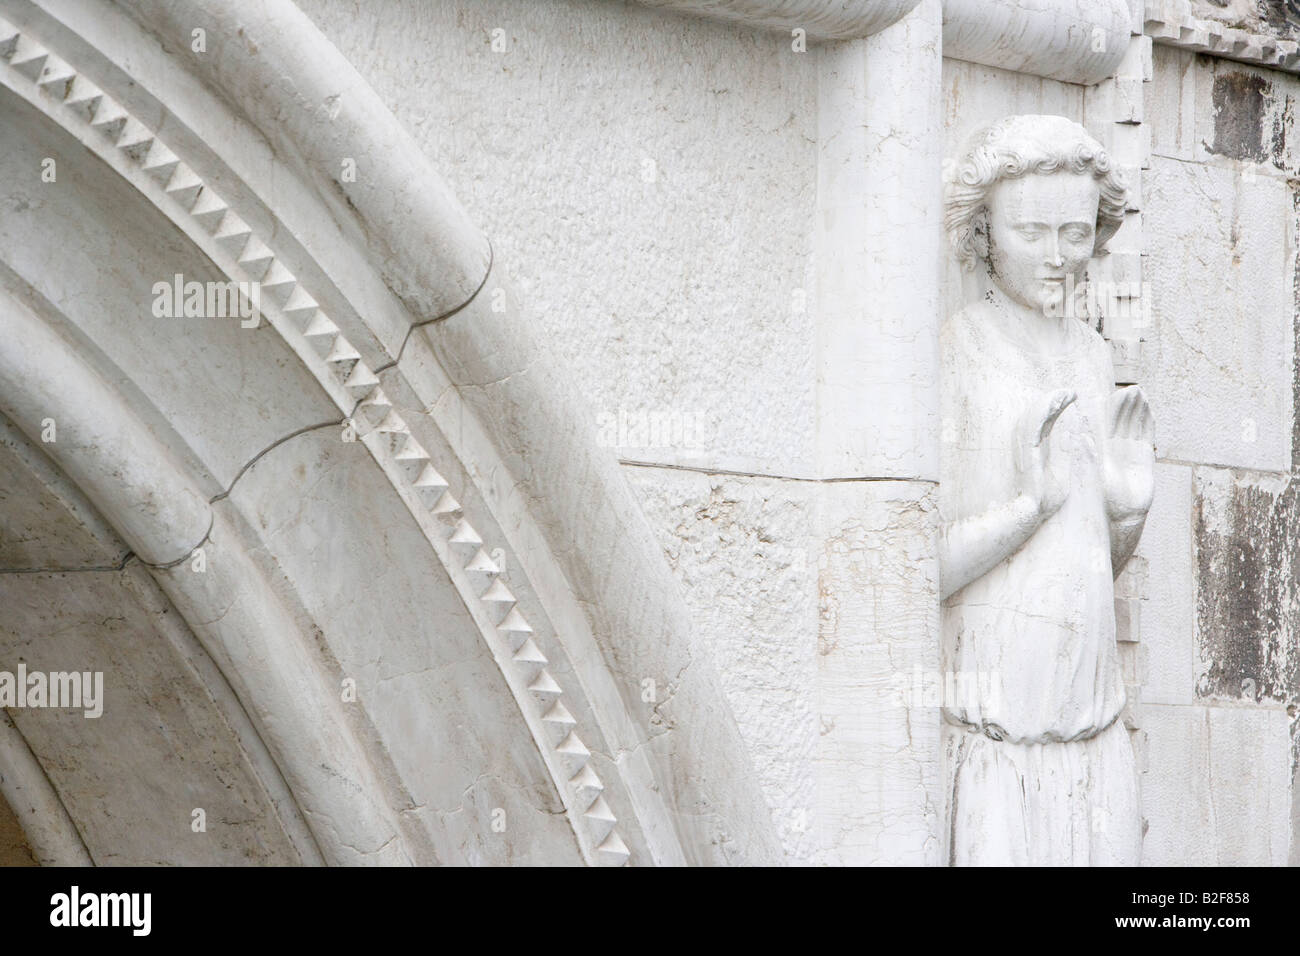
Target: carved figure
1046 479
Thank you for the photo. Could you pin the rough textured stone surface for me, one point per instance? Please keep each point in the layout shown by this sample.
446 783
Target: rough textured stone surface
1216 792
742 548
1219 360
693 281
14 850
878 760
1167 608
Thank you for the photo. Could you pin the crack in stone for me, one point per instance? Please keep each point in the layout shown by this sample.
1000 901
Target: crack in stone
401 350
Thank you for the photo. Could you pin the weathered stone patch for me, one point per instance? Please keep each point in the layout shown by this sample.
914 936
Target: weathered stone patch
1247 594
1251 116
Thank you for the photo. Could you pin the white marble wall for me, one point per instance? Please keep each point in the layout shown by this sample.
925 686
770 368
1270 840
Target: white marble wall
1219 370
651 184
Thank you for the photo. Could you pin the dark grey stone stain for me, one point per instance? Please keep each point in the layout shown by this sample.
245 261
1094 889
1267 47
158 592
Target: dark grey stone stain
1240 102
1247 596
1283 120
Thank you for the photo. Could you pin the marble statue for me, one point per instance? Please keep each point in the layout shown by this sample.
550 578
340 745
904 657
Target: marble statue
1046 478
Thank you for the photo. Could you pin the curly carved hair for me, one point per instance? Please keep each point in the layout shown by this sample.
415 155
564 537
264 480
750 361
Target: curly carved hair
1017 146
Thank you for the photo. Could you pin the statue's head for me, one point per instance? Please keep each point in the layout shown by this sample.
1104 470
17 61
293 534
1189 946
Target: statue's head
1033 198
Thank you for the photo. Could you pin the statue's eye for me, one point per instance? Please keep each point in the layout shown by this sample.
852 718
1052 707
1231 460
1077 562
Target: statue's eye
1077 234
1029 232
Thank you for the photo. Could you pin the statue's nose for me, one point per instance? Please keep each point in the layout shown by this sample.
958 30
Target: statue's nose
1054 252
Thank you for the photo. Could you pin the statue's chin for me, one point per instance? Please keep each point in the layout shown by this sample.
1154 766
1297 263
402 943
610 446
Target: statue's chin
1052 303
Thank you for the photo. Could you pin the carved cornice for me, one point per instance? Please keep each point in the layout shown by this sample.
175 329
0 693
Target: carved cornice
1076 41
1171 23
822 19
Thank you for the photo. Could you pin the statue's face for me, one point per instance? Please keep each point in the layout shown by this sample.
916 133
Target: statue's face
1042 227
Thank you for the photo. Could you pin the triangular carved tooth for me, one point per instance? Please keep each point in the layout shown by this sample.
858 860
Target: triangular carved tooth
613 850
343 368
362 378
377 399
446 505
559 715
342 352
515 622
319 325
279 281
586 783
83 97
429 478
255 258
573 752
571 745
411 450
375 407
299 301
464 533
8 39
482 562
600 811
110 118
232 227
160 162
28 58
184 186
57 76
255 250
208 208
136 139
232 232
544 685
498 593
600 820
530 653
393 424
